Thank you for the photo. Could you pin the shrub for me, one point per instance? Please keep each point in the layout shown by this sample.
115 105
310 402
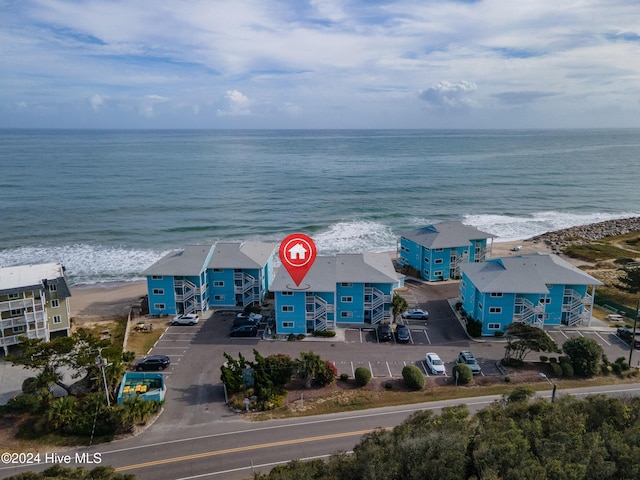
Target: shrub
553 360
623 363
474 327
388 386
324 333
557 369
564 359
463 373
362 376
327 374
344 376
519 394
24 403
544 358
499 334
413 377
567 369
30 385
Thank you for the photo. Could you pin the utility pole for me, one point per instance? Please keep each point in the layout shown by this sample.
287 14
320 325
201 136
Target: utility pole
633 336
102 362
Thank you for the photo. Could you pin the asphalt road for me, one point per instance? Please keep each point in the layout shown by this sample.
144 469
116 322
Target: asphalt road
234 449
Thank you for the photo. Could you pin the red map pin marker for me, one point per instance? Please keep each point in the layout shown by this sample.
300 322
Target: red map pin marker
297 254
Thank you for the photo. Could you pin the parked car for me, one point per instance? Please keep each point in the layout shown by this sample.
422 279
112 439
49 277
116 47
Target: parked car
247 320
185 319
416 314
153 362
402 334
255 317
614 318
246 330
469 360
626 335
435 364
384 332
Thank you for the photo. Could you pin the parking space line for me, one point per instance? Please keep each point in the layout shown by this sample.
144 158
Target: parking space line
353 372
389 369
424 367
371 370
427 335
601 338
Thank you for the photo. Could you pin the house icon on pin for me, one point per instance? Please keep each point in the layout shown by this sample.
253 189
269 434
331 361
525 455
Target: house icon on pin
297 252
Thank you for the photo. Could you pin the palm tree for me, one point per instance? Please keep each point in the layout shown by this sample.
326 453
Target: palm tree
398 306
309 364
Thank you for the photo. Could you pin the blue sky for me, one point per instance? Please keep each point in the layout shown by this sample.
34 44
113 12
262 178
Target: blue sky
319 64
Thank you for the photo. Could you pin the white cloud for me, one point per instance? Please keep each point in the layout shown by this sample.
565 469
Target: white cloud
235 104
96 102
450 95
320 57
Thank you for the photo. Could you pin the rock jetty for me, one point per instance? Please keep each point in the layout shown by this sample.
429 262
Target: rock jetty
560 239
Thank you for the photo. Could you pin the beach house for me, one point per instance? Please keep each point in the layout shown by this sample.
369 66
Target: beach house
177 283
240 274
34 303
537 289
199 277
436 251
342 288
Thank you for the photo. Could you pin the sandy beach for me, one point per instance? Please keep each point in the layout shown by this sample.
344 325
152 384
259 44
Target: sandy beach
108 300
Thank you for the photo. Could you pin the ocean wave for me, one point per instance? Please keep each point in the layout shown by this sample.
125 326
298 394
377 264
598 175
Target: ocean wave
86 264
520 227
354 237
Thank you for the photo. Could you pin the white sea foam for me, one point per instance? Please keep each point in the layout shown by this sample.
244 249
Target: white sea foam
86 263
355 237
510 228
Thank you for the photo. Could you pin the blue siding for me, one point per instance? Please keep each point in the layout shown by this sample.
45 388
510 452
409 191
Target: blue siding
296 317
221 287
161 291
355 308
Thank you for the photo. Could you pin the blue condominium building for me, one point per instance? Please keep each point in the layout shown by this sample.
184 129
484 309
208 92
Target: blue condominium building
342 288
537 289
200 277
436 252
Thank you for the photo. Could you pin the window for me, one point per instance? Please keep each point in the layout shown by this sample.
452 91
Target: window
287 324
346 284
346 314
218 283
217 270
426 259
57 319
493 326
13 296
16 311
55 303
426 273
346 299
480 307
218 298
156 277
545 300
439 249
438 273
158 291
496 294
495 309
159 306
438 261
18 329
287 308
286 294
53 287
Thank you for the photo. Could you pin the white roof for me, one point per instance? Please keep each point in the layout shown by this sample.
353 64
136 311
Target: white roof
327 271
446 235
190 261
246 255
529 273
29 275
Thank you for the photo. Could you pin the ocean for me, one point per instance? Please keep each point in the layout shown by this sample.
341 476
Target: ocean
110 203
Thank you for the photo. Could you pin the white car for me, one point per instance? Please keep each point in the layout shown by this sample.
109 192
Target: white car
416 314
435 364
185 319
254 317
